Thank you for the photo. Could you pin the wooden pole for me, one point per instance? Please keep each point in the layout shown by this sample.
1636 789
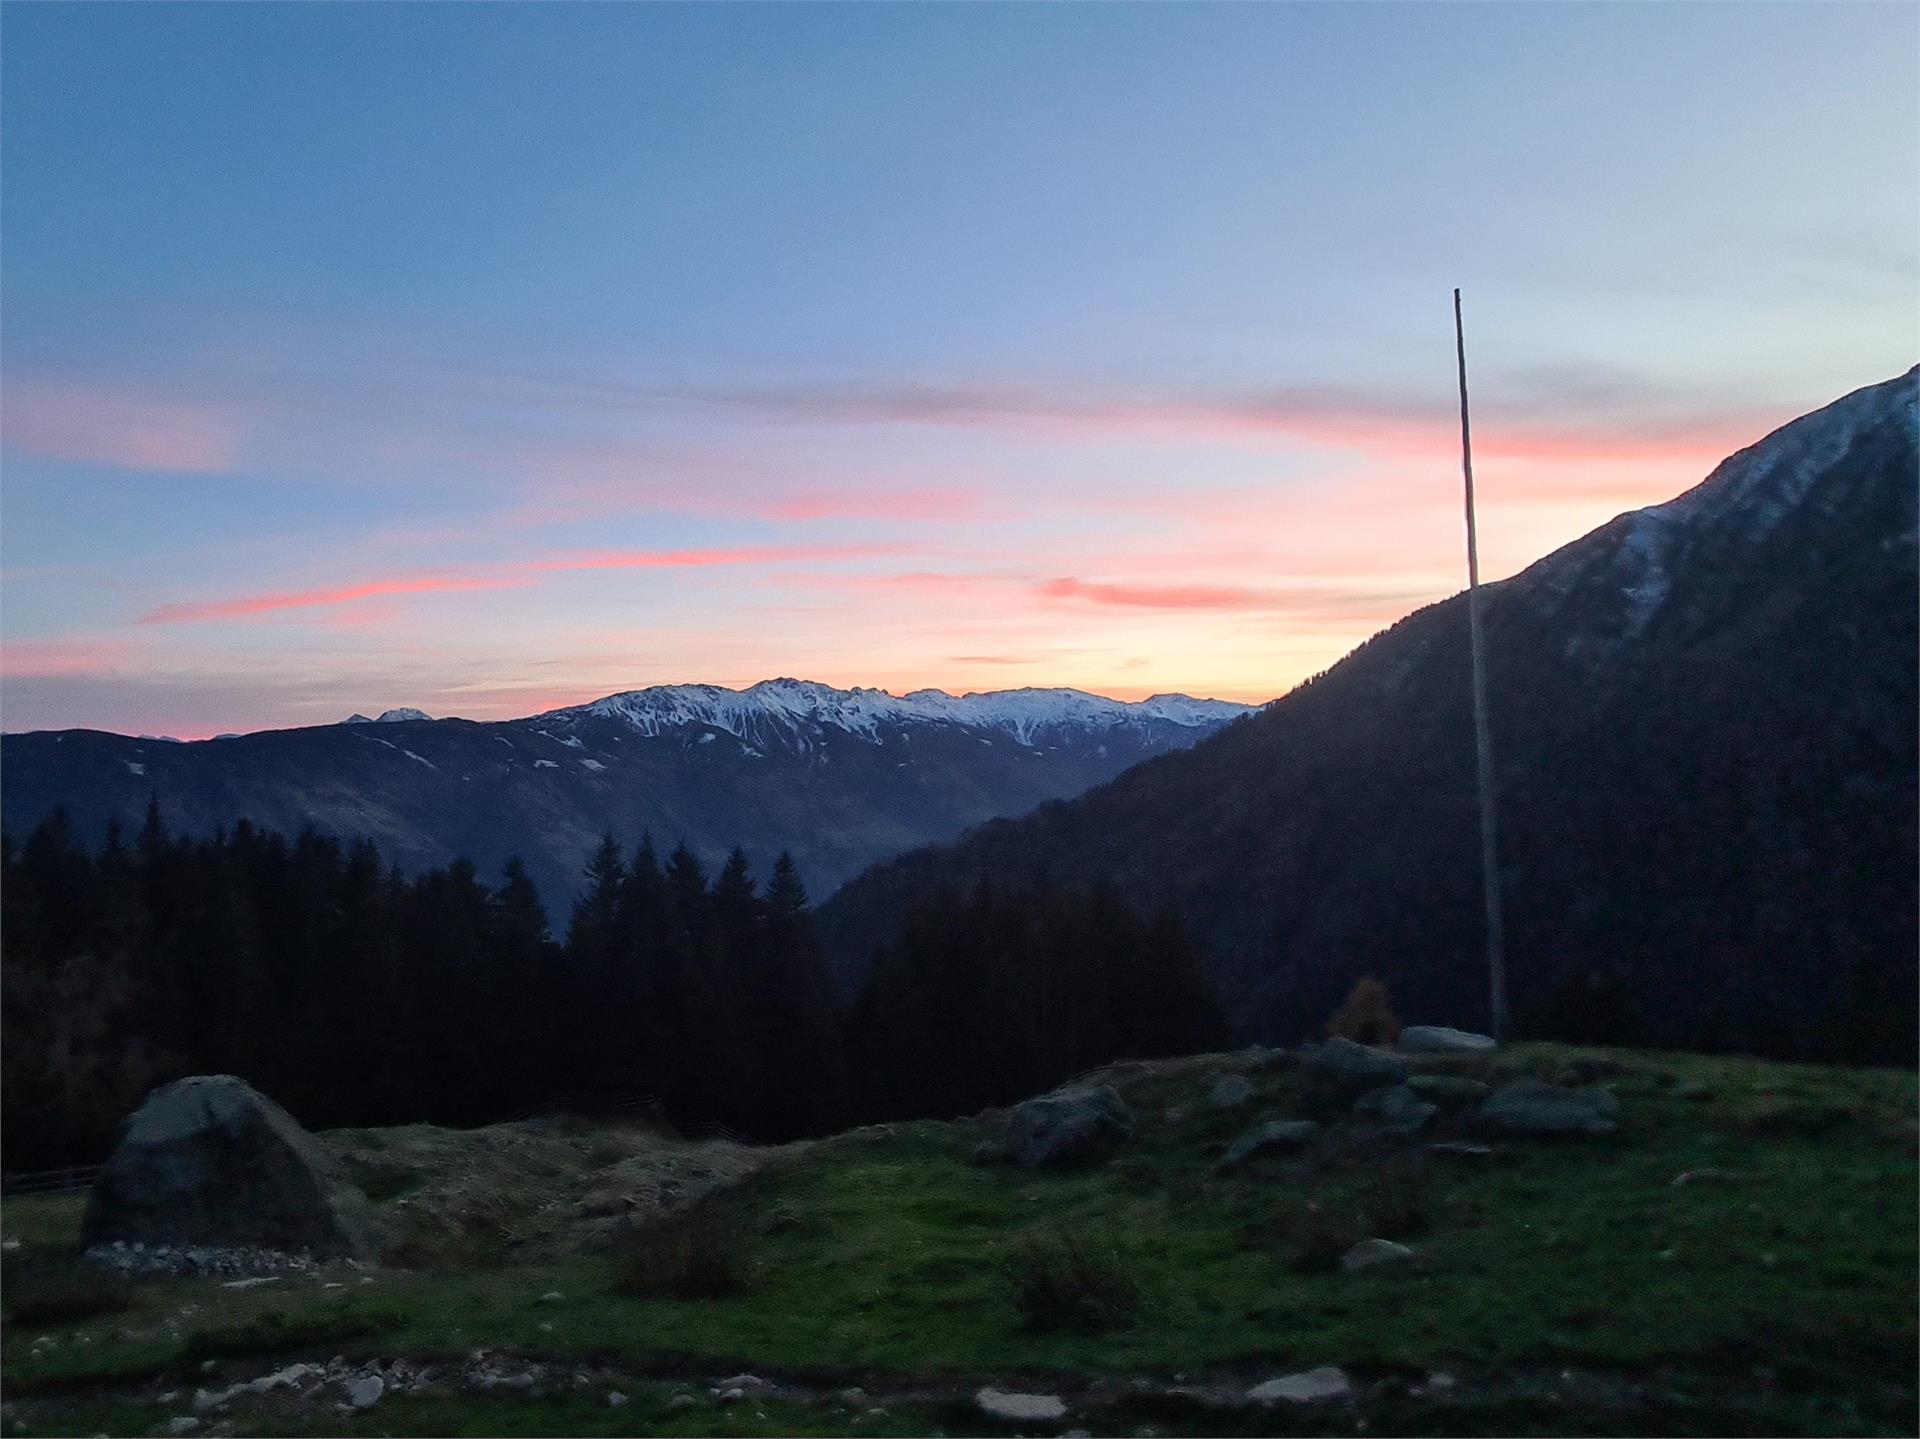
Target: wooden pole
1482 743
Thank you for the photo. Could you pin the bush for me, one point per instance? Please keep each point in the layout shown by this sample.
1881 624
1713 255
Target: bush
1066 1283
1320 1237
703 1254
1367 1017
71 1294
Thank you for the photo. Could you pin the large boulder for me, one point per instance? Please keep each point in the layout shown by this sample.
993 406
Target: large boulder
1066 1125
210 1161
1349 1069
1438 1039
1531 1107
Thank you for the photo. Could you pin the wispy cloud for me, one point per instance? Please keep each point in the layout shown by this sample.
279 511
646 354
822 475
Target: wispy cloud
61 657
512 576
245 605
96 424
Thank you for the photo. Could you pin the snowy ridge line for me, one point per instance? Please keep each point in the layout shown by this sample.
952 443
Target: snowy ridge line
789 704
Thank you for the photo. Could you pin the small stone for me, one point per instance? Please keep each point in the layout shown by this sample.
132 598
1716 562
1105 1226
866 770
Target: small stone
545 1328
185 1424
1441 1381
365 1391
745 1381
1371 1253
1705 1176
617 1400
732 1396
1277 1136
207 1399
1398 1107
9 1244
1311 1386
1020 1408
552 1296
1460 1149
1232 1092
679 1401
855 1395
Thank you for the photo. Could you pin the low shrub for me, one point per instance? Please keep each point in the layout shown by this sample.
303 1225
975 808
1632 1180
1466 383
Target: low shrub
703 1254
1318 1237
1071 1283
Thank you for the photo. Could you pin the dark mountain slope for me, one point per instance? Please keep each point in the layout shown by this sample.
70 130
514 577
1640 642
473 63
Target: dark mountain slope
841 778
1704 721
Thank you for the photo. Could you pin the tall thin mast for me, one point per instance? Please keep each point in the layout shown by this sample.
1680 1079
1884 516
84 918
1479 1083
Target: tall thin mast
1482 743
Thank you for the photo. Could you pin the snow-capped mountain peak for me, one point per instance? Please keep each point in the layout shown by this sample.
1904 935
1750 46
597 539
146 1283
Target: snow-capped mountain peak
393 716
772 707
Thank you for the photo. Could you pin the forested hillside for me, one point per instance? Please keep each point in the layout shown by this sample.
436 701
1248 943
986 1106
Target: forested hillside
1703 722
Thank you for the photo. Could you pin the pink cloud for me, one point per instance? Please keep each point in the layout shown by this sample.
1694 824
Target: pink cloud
59 658
904 503
510 577
85 424
1158 597
247 605
702 558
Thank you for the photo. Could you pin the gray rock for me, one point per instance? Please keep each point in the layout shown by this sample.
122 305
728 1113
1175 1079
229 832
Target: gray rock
1398 1107
1530 1107
1312 1386
1449 1091
1065 1125
1020 1408
185 1424
1460 1149
1705 1176
1232 1092
1276 1136
364 1391
1351 1068
617 1400
1437 1039
679 1401
1371 1253
209 1161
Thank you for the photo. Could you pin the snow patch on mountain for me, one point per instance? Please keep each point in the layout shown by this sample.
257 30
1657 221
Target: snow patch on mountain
795 710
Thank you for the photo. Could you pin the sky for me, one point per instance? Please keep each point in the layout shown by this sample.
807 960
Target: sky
487 359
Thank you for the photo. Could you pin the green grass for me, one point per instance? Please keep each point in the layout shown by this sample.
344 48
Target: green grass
890 1254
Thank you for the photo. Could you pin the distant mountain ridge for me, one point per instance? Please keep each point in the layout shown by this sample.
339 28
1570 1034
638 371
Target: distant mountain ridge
841 778
1704 720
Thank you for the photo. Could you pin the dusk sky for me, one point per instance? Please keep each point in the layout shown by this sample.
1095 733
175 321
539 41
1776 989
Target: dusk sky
488 359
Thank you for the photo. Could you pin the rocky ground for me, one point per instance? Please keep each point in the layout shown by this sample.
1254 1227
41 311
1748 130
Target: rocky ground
1336 1240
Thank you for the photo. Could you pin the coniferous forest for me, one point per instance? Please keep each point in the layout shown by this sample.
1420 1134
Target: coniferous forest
355 994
